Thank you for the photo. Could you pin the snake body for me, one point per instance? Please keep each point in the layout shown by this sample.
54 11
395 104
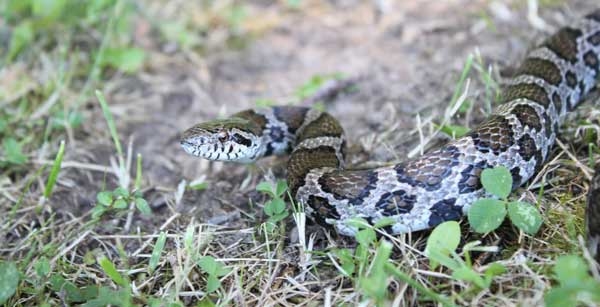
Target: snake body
438 186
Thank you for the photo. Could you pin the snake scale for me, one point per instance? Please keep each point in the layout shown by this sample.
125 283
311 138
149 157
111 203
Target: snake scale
439 185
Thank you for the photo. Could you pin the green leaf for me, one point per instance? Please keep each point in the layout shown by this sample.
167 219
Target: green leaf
74 294
126 59
467 274
110 270
559 297
121 192
366 236
142 205
274 207
178 32
107 296
576 284
120 204
497 181
9 280
386 221
212 283
105 198
570 270
265 187
42 267
486 214
495 269
278 217
206 302
281 187
157 250
199 186
98 211
48 9
13 151
444 239
263 102
525 216
346 261
209 265
454 130
55 170
22 36
358 222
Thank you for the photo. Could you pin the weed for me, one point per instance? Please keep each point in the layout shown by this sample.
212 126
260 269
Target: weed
575 284
486 214
274 208
441 249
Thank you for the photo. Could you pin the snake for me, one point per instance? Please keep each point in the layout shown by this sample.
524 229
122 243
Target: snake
440 185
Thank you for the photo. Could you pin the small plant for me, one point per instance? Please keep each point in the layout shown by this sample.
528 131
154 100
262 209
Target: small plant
575 284
275 208
314 84
214 270
487 214
119 199
441 249
371 271
362 266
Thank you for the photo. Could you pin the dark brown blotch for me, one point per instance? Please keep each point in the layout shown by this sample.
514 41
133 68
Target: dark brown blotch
292 116
303 160
323 209
564 43
324 125
591 60
349 184
541 68
527 116
470 177
527 147
430 170
557 101
529 91
396 202
444 210
594 39
571 78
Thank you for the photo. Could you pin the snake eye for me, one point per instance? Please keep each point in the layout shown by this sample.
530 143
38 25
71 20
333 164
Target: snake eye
223 136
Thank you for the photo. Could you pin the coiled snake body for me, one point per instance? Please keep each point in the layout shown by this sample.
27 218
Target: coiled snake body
439 185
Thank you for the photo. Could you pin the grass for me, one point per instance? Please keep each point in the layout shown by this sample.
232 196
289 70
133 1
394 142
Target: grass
86 218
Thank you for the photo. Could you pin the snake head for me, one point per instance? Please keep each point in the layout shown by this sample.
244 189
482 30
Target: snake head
233 139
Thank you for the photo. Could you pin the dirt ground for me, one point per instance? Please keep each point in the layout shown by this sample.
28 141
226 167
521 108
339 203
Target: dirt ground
409 56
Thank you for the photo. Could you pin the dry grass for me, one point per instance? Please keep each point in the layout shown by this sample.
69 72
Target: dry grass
208 60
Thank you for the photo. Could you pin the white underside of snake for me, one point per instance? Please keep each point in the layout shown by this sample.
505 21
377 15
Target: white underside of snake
440 185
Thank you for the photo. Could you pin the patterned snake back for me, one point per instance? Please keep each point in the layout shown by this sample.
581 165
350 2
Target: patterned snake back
440 185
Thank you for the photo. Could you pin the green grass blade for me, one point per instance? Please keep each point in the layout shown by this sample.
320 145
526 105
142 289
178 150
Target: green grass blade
157 250
111 125
390 268
55 170
138 173
110 270
463 78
